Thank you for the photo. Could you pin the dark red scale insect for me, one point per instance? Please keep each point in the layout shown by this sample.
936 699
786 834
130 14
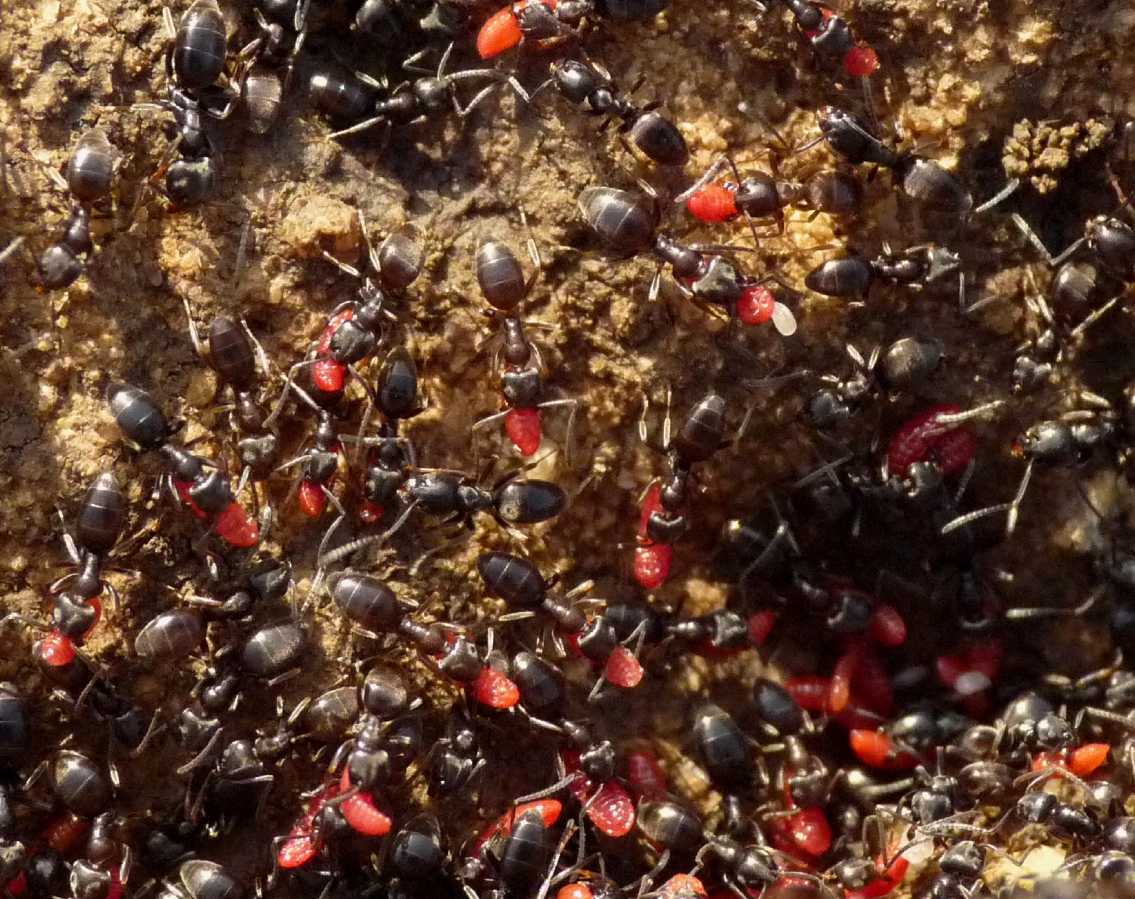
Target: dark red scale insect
809 691
644 774
925 438
871 683
761 625
971 671
651 560
887 626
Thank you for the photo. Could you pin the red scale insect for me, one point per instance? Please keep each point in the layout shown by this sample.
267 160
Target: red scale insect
501 31
876 749
523 428
232 524
1081 761
894 875
498 830
611 808
494 689
361 813
804 832
924 438
651 560
56 650
761 625
860 61
301 845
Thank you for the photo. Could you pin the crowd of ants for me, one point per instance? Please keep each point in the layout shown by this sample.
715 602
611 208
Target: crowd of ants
871 759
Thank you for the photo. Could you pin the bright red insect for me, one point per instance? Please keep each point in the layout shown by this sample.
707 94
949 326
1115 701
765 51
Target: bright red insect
877 750
236 528
623 669
806 831
652 564
311 498
523 428
757 305
714 203
360 811
56 649
494 689
501 31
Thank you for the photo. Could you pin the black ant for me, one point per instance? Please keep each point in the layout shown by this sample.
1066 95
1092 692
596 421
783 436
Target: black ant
89 174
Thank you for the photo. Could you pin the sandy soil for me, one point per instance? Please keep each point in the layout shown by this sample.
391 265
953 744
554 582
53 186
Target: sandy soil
969 83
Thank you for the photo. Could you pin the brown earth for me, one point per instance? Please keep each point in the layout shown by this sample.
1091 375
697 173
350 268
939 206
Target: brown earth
965 82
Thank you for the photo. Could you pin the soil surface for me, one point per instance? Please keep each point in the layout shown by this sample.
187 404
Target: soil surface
1031 89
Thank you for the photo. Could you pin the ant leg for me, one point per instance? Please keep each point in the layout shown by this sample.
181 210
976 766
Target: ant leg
477 100
1024 614
712 172
290 385
168 24
959 417
364 125
998 198
13 245
574 404
1031 236
490 419
194 336
348 548
409 64
1094 317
